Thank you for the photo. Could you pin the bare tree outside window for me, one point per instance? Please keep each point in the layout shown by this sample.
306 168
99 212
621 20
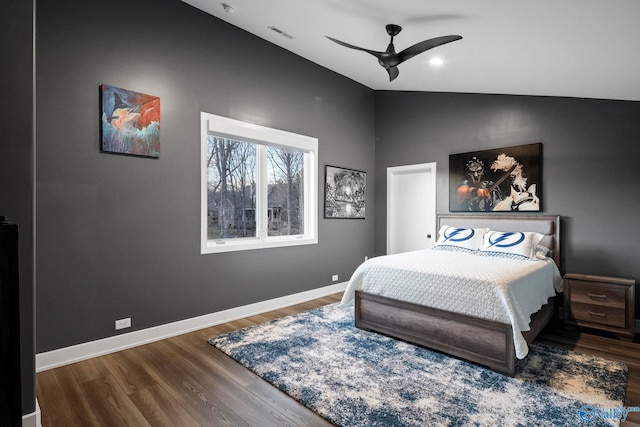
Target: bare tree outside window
286 201
231 171
232 190
259 186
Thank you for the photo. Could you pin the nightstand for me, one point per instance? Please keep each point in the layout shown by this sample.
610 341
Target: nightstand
600 302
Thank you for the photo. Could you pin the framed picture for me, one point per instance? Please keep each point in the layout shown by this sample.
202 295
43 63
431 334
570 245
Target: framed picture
344 193
129 122
501 179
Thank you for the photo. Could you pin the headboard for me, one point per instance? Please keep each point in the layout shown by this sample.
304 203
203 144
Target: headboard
549 225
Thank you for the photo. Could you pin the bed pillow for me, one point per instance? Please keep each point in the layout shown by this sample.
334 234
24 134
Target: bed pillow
516 244
542 252
458 237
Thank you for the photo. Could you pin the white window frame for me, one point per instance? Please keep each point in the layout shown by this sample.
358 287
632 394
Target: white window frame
263 136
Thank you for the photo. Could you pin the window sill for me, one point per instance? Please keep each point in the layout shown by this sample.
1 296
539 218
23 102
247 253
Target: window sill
213 247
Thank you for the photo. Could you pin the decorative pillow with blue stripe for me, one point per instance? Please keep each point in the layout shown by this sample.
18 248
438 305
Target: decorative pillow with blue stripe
512 244
463 238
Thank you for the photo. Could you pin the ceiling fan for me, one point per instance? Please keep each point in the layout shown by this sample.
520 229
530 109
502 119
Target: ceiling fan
389 59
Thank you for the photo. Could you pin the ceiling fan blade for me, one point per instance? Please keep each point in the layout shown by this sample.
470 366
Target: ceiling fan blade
350 46
423 46
393 73
389 59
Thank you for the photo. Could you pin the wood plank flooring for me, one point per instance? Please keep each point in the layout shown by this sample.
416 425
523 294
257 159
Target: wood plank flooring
184 381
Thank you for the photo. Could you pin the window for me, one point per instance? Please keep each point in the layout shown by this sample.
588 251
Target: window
259 186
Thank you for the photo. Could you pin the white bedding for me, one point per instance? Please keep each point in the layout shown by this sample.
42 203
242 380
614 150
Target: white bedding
500 289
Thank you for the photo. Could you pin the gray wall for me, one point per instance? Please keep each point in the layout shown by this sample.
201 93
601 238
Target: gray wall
590 162
118 236
16 166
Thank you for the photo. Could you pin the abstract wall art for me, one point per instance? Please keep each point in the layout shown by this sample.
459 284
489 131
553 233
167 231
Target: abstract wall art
130 122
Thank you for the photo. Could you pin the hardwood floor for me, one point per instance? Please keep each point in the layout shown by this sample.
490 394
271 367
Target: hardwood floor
184 381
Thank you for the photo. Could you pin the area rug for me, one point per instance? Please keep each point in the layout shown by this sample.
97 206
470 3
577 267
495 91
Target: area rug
355 378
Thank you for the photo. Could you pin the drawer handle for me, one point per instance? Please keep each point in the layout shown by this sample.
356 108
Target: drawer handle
598 296
600 315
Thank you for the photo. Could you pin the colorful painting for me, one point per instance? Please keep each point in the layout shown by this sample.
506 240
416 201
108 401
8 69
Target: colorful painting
130 122
502 179
344 193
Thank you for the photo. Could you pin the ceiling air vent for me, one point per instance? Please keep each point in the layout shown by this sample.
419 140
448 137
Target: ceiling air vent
279 31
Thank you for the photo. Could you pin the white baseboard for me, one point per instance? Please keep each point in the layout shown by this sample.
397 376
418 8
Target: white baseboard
76 353
33 419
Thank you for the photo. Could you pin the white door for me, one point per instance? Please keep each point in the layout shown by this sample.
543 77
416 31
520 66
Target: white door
411 207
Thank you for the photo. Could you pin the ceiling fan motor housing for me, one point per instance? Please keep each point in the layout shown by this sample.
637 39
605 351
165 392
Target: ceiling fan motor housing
393 29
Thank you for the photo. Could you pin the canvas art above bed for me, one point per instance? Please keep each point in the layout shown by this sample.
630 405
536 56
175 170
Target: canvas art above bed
501 179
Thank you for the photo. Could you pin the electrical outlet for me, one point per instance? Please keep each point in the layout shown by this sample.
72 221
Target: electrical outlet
334 277
123 323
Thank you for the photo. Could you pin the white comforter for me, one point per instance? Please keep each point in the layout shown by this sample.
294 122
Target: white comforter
500 289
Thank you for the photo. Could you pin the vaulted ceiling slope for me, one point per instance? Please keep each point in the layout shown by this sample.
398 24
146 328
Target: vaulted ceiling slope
572 48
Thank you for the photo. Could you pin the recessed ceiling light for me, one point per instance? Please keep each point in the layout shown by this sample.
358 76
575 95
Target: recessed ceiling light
436 61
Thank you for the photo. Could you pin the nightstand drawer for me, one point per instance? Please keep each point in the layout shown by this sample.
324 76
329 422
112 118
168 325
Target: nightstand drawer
598 295
606 303
599 314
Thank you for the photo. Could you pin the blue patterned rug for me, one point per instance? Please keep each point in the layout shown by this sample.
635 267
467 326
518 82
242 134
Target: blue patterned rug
355 378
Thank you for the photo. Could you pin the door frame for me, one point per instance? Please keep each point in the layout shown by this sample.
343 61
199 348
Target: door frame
392 172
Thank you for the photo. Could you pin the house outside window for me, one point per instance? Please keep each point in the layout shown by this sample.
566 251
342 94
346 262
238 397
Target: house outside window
259 186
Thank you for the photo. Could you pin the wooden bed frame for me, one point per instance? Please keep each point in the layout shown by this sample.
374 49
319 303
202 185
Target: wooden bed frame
477 340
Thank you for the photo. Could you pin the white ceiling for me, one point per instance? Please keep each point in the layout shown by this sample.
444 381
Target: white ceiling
575 48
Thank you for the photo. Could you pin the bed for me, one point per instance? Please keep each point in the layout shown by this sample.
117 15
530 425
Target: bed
493 340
